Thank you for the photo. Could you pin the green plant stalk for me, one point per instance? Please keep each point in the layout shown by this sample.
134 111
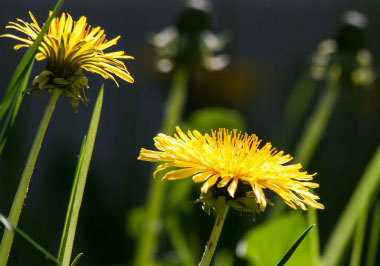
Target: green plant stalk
221 213
309 142
357 248
72 215
365 192
318 121
22 189
374 237
147 241
294 109
178 241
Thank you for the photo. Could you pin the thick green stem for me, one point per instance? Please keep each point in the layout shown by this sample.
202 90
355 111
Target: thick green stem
22 189
221 213
147 242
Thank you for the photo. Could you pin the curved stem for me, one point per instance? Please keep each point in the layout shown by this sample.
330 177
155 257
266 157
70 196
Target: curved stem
22 189
147 242
221 213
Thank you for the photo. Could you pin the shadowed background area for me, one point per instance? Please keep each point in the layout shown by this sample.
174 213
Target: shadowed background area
270 48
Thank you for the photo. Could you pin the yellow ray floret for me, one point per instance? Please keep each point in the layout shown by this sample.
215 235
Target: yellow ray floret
70 45
228 159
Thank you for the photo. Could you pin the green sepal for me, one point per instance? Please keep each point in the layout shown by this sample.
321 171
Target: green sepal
60 81
73 86
244 204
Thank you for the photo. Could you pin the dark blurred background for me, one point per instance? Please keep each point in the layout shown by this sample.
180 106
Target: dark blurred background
270 48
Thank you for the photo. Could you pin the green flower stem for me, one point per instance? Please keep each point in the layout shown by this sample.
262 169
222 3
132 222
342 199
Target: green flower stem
319 120
310 140
295 107
22 189
221 213
147 242
179 241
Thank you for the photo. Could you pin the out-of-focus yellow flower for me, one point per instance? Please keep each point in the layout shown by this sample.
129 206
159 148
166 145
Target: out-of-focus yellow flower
228 159
70 46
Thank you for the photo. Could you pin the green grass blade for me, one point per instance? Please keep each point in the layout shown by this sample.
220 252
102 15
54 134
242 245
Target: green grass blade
363 195
11 116
75 261
71 203
24 63
68 235
293 248
357 248
45 255
374 237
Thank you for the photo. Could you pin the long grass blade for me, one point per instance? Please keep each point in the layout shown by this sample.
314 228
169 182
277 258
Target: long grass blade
357 248
68 235
363 195
44 254
374 237
11 116
293 248
69 212
24 63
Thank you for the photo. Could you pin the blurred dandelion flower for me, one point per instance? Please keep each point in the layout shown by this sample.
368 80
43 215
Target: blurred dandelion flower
228 159
68 47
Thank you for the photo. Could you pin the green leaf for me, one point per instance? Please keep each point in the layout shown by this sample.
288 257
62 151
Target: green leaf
24 63
44 254
68 235
356 253
265 244
75 261
293 248
206 119
359 203
11 116
374 236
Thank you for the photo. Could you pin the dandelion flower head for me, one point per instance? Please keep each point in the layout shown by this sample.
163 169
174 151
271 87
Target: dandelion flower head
68 47
228 159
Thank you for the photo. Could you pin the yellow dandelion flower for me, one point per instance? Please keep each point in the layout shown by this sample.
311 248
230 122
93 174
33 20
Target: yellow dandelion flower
69 46
228 159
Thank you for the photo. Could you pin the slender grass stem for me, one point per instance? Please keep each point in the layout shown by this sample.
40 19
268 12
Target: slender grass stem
77 192
310 140
221 213
22 189
357 248
147 242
